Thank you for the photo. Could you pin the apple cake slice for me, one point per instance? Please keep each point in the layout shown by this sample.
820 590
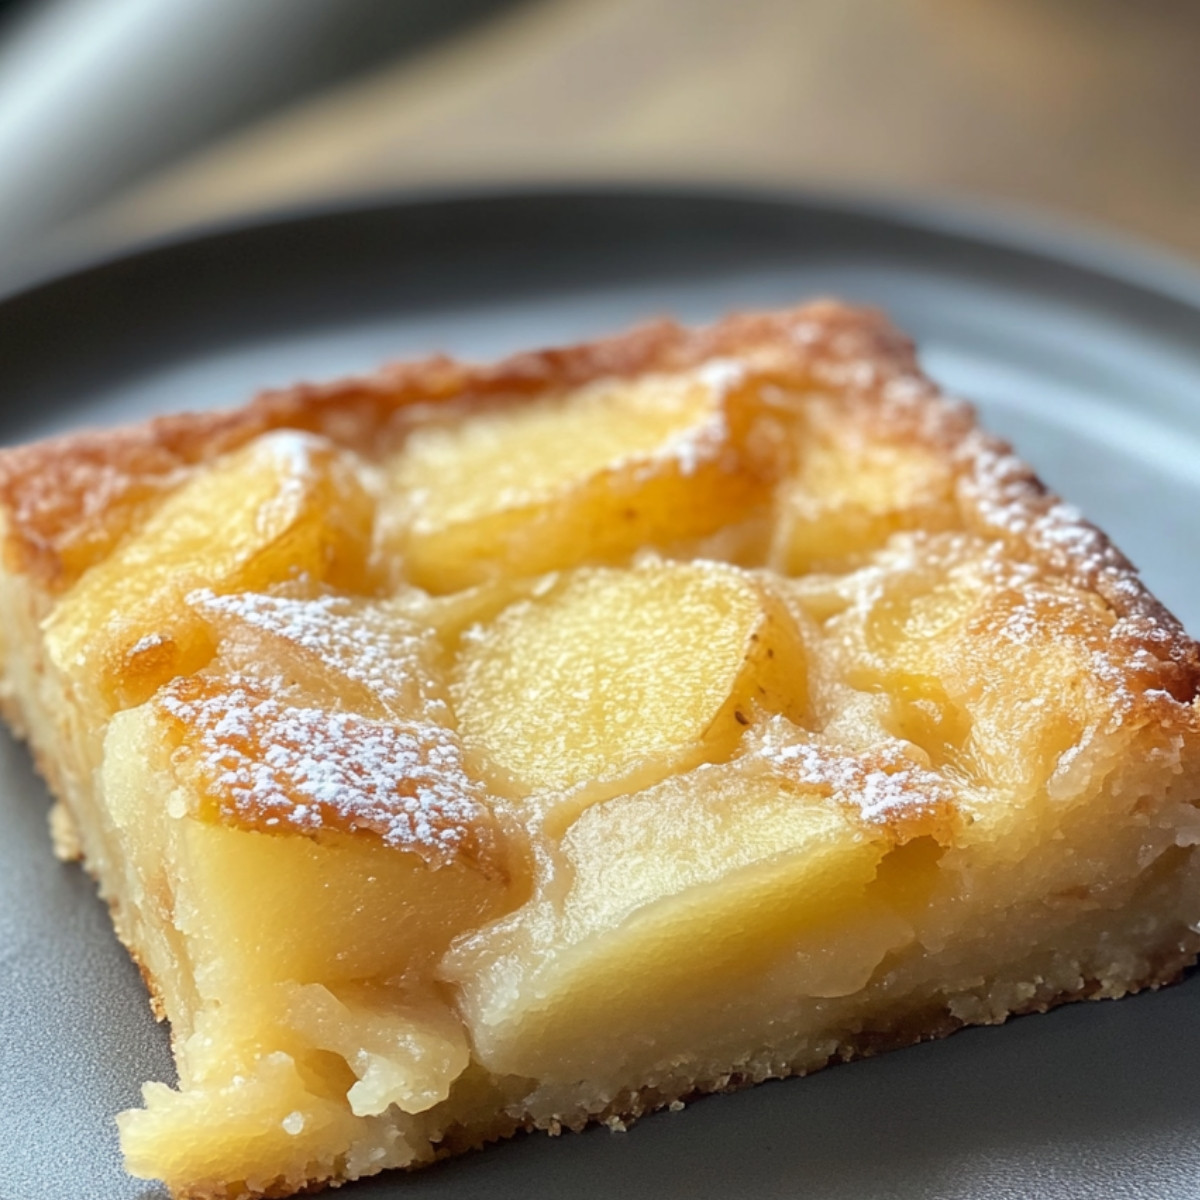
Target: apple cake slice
463 750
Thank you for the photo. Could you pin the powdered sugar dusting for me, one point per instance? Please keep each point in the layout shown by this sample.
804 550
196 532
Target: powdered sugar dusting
884 785
268 765
706 441
151 641
293 452
693 447
721 374
1008 500
370 645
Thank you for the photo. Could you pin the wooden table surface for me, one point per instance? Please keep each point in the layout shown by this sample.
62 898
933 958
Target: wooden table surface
1090 108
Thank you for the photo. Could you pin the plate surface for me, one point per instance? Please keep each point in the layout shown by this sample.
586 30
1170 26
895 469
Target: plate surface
1087 357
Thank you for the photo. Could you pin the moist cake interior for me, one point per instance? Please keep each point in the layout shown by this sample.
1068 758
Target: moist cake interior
472 749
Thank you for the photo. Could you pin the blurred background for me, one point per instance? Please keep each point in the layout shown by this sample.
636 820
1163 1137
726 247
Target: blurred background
122 120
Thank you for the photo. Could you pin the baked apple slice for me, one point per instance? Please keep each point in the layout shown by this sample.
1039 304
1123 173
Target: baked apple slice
588 475
611 676
289 507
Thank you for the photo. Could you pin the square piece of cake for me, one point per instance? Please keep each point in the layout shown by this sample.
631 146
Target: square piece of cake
463 750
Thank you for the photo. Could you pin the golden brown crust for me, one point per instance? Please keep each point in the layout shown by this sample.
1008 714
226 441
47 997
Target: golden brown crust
69 500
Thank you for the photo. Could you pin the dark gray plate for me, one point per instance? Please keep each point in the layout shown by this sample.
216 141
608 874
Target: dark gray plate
1088 356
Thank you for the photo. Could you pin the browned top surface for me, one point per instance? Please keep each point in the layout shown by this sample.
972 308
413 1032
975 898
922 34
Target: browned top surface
68 500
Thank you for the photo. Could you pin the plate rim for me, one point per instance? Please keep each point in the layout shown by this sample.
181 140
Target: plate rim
1055 238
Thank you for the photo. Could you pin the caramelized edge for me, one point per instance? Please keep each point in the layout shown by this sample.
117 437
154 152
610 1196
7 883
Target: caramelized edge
68 498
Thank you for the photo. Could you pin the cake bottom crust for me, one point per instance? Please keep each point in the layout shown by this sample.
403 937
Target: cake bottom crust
1168 968
935 1021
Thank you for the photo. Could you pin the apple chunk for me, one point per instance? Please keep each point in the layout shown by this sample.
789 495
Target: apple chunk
259 907
589 475
287 506
680 901
847 496
344 854
611 672
940 622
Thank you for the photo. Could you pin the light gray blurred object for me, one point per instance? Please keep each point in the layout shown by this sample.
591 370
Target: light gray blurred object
94 93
